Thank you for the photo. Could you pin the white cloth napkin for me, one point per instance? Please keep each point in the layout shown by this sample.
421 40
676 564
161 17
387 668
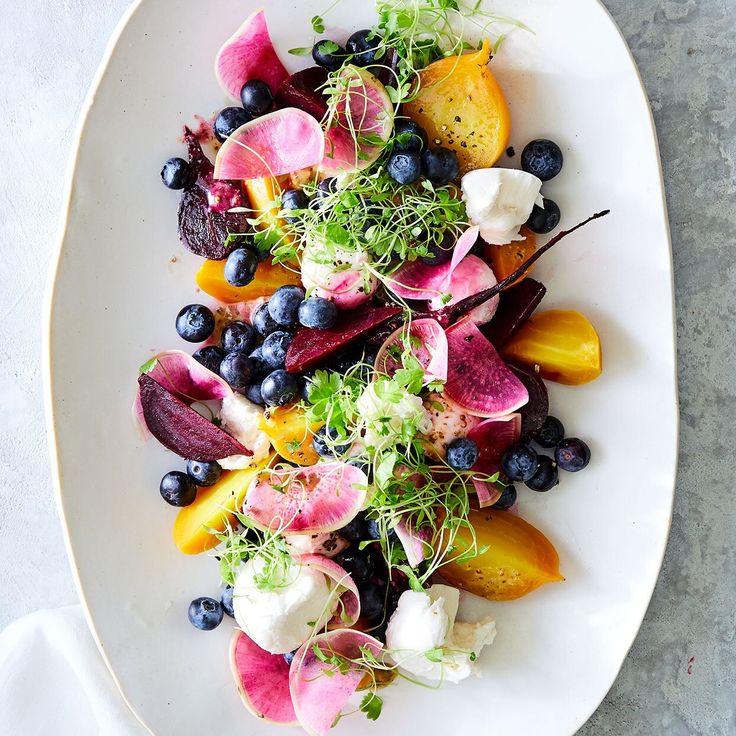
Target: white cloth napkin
53 681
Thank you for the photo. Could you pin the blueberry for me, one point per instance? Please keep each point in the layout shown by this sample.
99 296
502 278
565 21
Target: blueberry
318 313
305 385
205 613
178 174
546 476
520 462
439 253
404 167
289 656
263 322
204 474
226 601
253 394
355 530
543 158
237 370
284 305
195 323
178 489
364 46
294 199
545 219
359 566
238 337
408 136
440 165
228 121
372 601
328 55
374 531
240 266
256 97
325 449
279 388
572 454
210 357
507 500
260 368
324 189
462 453
274 349
551 433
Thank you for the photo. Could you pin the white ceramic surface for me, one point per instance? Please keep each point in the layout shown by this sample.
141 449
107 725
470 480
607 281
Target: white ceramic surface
122 276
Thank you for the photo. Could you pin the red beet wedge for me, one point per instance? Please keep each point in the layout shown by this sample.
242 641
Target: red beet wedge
302 90
181 429
535 411
310 348
514 309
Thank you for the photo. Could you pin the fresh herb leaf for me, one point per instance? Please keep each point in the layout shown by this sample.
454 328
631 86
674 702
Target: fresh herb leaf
435 655
148 366
371 705
301 51
318 24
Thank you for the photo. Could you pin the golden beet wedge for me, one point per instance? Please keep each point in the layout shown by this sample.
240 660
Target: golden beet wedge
212 509
505 259
290 434
462 107
519 558
560 345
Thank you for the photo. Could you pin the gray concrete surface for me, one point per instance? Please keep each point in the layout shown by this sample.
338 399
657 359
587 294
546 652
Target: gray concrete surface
680 677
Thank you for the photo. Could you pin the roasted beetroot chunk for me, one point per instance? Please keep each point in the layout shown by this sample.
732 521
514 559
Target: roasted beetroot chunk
515 307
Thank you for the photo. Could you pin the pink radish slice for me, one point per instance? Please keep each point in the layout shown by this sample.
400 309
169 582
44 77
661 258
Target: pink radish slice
471 277
348 610
487 493
184 377
414 541
420 281
318 697
278 143
448 423
478 380
262 680
363 109
249 54
428 343
493 437
320 498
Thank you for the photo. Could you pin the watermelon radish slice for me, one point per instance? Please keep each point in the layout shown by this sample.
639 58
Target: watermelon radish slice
414 541
493 437
478 380
311 347
420 281
319 498
184 377
348 609
363 109
181 429
471 276
318 697
262 679
428 344
249 54
278 143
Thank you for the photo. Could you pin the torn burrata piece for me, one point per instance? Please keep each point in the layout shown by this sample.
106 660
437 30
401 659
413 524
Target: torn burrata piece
499 202
424 639
240 418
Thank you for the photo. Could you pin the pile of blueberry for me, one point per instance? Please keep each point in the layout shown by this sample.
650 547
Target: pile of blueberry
180 489
539 472
543 159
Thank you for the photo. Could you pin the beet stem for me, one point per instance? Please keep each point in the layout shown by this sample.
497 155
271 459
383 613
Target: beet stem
447 315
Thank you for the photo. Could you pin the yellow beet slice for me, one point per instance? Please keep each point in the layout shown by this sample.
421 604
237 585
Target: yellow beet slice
519 558
462 107
269 277
290 434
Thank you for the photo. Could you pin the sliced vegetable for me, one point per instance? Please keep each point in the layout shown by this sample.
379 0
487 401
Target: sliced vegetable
517 304
448 423
319 698
262 195
414 541
262 680
493 437
561 345
535 411
269 277
213 509
462 107
278 143
428 344
344 588
249 54
505 259
181 429
290 434
518 558
303 89
478 381
319 498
